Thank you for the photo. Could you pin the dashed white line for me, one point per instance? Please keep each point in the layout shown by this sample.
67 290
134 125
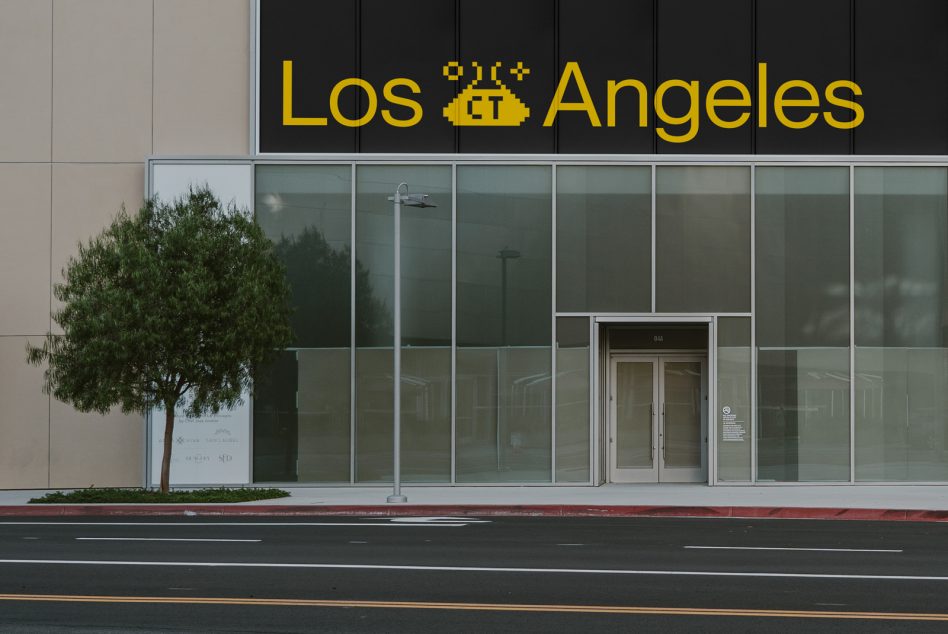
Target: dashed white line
819 550
158 539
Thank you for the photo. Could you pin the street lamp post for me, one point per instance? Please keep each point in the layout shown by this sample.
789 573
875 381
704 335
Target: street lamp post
504 255
410 200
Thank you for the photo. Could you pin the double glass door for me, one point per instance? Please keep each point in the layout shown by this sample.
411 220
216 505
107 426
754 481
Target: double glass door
658 418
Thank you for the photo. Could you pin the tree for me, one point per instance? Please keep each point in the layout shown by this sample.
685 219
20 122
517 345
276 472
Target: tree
174 306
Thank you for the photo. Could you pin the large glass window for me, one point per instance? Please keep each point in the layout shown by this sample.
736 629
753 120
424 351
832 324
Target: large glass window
302 408
702 239
572 399
901 272
734 430
504 271
802 314
603 239
426 323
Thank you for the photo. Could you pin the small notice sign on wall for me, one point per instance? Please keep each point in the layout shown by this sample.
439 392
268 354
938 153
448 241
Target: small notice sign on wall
732 430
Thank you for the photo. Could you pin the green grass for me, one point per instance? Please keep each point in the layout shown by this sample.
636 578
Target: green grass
142 496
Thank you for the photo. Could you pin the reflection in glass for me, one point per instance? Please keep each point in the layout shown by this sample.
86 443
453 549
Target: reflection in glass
702 239
323 414
901 257
275 426
603 238
504 270
426 324
901 414
803 408
681 420
634 396
572 399
301 412
802 256
733 421
803 323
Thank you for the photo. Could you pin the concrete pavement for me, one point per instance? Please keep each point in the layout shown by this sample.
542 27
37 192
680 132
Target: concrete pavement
928 502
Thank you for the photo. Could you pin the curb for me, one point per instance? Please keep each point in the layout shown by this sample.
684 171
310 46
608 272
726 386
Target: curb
484 510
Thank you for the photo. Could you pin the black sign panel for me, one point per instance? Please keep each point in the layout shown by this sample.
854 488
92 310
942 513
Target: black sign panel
603 76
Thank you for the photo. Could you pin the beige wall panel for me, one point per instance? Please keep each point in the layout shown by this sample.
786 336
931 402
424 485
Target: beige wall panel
24 419
90 449
24 249
25 66
93 450
85 200
202 76
102 75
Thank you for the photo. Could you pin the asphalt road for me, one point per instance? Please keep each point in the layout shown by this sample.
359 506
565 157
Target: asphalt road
472 575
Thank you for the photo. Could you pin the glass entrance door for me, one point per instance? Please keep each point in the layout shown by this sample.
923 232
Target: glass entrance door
658 419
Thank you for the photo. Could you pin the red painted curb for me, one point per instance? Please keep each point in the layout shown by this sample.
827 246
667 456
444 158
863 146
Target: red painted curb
484 510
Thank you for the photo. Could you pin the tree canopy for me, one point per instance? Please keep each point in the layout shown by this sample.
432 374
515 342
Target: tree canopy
182 299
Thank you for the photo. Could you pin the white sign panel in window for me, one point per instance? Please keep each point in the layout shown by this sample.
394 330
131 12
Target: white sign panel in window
215 448
209 449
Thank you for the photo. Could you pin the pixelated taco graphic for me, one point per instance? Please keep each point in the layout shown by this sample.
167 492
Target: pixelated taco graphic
480 105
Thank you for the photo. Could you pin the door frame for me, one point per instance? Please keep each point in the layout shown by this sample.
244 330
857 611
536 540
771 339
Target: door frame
600 353
633 474
670 474
658 472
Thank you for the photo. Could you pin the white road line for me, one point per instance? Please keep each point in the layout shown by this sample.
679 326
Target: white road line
212 524
820 550
570 571
158 539
439 520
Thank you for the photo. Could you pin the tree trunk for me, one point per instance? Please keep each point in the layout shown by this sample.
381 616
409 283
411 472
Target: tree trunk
166 455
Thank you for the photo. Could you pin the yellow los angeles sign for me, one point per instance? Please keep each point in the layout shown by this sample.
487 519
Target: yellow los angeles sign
797 104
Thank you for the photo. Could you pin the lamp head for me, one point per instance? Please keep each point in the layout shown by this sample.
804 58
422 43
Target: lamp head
412 200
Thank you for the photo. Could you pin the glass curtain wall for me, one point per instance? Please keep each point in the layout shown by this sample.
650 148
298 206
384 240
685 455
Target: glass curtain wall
504 323
702 239
604 239
572 399
802 317
305 429
901 300
733 424
301 410
426 324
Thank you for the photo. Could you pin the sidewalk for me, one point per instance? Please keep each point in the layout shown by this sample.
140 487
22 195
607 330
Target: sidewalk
923 503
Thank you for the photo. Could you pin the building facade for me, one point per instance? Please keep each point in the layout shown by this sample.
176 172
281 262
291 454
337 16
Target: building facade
671 240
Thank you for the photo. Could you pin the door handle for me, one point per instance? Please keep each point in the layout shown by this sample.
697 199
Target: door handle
662 433
651 425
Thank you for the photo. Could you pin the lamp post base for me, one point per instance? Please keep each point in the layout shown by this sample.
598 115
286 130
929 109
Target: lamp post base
395 499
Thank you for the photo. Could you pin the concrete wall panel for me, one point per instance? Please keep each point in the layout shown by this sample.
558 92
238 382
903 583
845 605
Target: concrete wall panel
93 450
26 32
86 197
24 419
102 76
202 81
24 249
85 200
